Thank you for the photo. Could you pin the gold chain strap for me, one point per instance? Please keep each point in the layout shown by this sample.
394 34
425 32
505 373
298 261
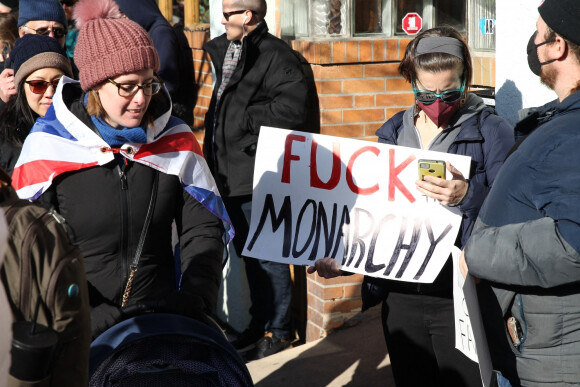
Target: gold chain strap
127 291
135 263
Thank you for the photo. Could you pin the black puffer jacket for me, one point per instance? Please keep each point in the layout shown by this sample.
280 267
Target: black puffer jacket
105 209
14 128
267 88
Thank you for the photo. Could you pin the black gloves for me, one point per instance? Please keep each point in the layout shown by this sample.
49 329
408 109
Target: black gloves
103 317
183 303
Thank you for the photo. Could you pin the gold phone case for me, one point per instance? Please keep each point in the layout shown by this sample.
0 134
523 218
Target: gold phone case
431 167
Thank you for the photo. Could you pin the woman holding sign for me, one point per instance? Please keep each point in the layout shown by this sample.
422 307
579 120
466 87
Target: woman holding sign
418 319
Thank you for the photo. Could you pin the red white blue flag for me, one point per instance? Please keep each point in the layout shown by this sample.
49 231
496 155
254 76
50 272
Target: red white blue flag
59 142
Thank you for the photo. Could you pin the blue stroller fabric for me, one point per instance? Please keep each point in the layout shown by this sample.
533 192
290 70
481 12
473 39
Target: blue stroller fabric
162 349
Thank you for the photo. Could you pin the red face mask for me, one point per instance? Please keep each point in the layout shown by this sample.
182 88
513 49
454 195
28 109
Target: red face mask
440 112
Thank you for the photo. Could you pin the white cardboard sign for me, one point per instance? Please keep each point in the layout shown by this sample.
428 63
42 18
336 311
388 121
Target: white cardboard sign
470 336
355 201
464 338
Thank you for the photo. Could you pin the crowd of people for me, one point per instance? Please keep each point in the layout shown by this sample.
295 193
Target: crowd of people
95 134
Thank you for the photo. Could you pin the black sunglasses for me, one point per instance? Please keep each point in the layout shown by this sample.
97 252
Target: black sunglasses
38 86
228 14
68 3
58 32
428 97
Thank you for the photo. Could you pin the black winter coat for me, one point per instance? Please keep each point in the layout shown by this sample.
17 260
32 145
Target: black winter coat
105 209
267 88
13 131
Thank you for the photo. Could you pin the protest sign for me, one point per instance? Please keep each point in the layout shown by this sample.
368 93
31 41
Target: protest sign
355 201
464 339
470 336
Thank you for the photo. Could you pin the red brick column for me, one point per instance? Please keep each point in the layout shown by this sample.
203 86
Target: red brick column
203 77
330 303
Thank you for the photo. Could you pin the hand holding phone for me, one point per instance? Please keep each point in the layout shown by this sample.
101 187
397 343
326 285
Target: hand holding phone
447 192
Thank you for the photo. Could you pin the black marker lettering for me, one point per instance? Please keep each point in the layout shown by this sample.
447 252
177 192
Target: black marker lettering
370 267
285 216
322 221
400 246
357 239
295 252
432 247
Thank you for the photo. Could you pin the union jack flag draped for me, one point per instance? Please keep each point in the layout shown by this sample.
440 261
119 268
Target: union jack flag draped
59 142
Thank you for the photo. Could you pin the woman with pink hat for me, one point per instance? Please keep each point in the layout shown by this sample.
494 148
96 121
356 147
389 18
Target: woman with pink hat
111 159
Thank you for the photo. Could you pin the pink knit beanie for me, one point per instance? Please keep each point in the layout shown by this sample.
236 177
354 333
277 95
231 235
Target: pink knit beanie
109 44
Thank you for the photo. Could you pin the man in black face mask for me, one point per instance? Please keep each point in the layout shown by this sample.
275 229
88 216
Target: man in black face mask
525 246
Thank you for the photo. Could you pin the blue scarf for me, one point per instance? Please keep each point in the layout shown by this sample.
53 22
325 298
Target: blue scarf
117 137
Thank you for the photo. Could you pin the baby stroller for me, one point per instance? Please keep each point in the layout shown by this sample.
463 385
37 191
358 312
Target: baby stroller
165 349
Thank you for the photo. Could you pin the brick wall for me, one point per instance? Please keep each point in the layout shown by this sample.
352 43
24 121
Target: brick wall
203 77
331 303
358 84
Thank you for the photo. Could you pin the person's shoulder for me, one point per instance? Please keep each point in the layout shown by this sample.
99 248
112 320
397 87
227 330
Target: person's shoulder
562 126
217 43
20 213
489 114
266 41
388 131
273 42
160 28
175 122
275 50
489 120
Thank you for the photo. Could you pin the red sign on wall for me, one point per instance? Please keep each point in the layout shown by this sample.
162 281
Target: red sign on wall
412 23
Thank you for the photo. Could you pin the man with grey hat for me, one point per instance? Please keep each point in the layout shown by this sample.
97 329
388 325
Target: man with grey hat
42 17
525 246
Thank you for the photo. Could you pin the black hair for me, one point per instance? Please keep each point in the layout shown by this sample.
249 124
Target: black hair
574 48
16 119
436 62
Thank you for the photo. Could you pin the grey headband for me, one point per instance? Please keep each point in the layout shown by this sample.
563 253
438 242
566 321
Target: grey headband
441 44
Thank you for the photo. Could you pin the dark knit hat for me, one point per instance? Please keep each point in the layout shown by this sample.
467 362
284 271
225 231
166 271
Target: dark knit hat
50 10
563 17
35 52
109 44
12 4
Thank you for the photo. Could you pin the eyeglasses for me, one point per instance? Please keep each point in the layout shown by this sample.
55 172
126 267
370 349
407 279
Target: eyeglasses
130 89
68 3
228 14
448 96
38 86
58 32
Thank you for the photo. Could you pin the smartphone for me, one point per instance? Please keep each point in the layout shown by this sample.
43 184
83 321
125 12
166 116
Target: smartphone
515 330
432 167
